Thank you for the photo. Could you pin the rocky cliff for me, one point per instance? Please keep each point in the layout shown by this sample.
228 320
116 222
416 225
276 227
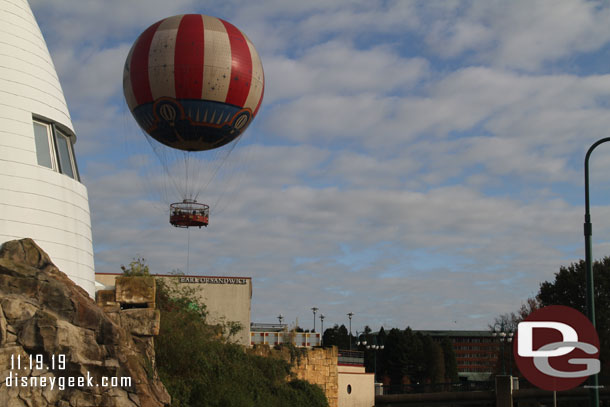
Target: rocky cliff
58 348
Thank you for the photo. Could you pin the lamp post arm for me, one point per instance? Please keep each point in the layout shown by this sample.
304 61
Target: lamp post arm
587 156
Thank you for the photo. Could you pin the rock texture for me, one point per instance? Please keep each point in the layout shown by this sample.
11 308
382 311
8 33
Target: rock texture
46 318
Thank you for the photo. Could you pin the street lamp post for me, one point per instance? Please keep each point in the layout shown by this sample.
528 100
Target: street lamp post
361 342
588 229
504 334
280 318
350 315
314 309
375 348
322 326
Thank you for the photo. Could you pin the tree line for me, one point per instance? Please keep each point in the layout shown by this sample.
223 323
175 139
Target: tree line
407 357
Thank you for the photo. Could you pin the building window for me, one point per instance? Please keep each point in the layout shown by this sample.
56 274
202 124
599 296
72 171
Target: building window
44 145
54 149
64 152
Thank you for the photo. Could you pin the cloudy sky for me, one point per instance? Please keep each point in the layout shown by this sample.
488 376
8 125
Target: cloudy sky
417 163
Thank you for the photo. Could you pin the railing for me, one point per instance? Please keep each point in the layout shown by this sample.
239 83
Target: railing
437 387
533 397
351 357
299 339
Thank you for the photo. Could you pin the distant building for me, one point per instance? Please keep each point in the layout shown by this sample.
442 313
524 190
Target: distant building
41 196
476 352
227 299
277 334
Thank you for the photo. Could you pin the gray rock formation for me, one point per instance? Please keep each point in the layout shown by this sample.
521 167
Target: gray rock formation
58 348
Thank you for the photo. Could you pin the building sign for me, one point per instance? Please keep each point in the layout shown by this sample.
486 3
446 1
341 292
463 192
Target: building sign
214 280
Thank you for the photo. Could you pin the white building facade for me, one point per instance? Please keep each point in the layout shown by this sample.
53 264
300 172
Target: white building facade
41 195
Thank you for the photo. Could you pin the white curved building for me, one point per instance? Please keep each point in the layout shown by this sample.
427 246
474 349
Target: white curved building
41 196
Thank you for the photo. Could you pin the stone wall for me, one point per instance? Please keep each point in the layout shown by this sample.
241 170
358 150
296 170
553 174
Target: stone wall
319 366
315 365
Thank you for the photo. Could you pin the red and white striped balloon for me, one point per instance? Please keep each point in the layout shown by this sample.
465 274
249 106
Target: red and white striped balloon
193 82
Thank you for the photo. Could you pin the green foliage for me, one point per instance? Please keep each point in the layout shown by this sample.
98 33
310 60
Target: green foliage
201 370
137 267
172 296
296 354
434 361
410 357
302 393
337 336
451 370
398 356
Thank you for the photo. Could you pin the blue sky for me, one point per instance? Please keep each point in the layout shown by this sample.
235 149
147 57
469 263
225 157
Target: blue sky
417 163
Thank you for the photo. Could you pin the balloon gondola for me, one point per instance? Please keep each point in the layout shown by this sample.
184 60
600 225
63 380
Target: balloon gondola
193 83
189 213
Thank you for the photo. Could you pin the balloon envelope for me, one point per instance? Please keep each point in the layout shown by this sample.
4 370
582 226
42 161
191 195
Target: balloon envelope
193 82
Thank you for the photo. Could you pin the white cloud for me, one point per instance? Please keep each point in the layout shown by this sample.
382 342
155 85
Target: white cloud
339 67
520 34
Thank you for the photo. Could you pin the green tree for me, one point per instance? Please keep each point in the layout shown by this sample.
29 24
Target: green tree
381 356
434 361
336 336
396 356
451 370
410 357
137 267
569 289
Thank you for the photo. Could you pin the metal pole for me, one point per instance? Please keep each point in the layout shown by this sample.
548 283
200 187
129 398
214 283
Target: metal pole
375 362
322 328
503 357
350 315
588 230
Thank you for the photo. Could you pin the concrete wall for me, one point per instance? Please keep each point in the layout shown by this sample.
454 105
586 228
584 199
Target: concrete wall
226 298
35 201
355 387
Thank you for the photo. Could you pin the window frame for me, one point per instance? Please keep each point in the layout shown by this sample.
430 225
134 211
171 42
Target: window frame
54 131
50 142
72 162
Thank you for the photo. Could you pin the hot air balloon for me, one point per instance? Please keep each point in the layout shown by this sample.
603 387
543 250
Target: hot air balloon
193 83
